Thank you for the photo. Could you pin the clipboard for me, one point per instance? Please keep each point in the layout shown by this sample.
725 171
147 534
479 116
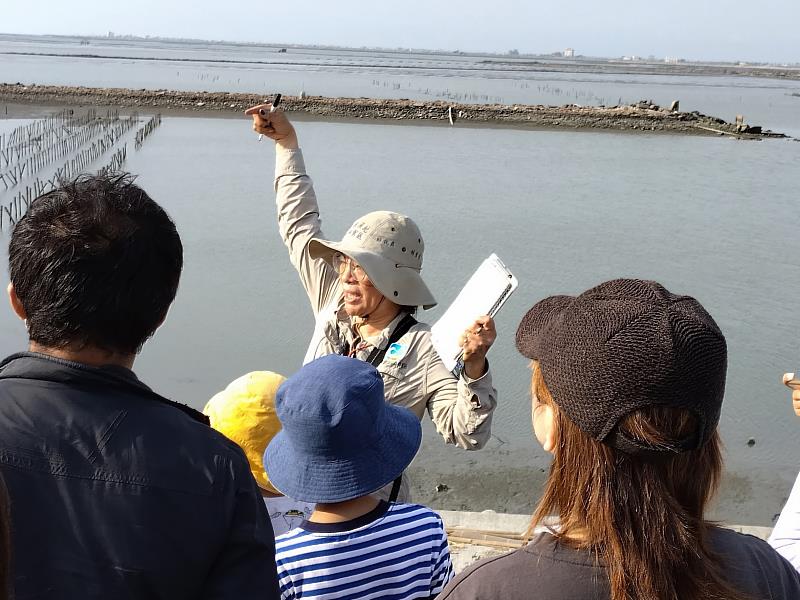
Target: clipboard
484 294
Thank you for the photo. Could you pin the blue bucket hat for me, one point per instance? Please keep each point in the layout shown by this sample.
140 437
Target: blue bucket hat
340 439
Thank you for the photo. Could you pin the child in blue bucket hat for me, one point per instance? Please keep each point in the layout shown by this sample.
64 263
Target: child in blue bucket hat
340 442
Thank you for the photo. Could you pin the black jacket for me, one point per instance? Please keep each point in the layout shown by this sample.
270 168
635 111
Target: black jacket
118 493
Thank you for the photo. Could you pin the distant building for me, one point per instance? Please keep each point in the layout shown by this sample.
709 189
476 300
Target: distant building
672 60
111 34
569 53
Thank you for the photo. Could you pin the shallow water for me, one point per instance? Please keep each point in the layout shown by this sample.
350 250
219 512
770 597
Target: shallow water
356 73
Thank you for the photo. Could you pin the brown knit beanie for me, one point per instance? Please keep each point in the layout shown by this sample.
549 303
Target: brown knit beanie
622 346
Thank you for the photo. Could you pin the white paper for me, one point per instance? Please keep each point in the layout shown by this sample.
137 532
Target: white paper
484 294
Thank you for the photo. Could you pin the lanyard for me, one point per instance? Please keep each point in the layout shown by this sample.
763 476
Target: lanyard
376 356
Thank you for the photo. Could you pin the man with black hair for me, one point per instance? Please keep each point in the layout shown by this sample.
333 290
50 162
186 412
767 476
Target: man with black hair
116 492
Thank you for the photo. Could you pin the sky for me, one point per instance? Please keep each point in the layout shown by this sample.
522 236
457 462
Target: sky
730 30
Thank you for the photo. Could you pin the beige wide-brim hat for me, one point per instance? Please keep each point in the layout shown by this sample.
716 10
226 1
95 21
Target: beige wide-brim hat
389 248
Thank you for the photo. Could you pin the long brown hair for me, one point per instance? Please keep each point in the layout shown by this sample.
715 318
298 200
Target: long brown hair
642 518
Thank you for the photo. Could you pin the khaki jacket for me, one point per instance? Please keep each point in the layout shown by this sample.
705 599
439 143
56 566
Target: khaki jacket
414 377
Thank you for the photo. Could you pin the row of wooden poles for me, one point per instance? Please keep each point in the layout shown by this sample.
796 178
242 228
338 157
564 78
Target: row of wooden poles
145 131
62 143
26 139
29 149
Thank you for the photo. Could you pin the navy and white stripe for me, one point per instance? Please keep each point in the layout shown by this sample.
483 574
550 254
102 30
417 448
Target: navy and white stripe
396 552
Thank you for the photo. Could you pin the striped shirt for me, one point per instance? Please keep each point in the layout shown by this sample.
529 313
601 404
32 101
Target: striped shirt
394 552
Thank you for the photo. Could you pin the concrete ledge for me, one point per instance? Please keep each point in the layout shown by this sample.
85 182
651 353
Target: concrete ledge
488 520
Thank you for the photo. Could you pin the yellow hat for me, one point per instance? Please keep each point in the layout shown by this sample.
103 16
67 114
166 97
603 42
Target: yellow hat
244 412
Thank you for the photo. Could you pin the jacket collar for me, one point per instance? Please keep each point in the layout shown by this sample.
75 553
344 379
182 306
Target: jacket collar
33 365
346 327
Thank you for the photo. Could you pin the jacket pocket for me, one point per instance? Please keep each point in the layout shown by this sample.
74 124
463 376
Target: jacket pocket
392 376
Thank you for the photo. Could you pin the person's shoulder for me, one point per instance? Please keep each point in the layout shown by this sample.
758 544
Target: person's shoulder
401 517
727 541
219 442
295 544
421 328
480 579
167 418
544 564
417 511
164 422
418 330
754 562
206 457
420 333
419 338
286 540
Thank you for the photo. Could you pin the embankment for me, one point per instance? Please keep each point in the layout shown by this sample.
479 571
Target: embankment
640 117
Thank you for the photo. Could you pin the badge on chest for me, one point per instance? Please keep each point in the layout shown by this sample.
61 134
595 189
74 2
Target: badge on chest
396 352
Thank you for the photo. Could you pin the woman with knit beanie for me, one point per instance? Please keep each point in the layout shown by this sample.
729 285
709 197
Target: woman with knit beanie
627 387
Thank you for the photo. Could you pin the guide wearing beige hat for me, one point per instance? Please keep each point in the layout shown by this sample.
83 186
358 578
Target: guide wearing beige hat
363 300
389 248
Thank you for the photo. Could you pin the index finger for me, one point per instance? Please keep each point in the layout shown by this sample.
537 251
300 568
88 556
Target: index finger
484 321
254 109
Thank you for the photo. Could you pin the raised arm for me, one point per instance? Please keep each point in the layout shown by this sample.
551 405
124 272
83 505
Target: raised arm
298 212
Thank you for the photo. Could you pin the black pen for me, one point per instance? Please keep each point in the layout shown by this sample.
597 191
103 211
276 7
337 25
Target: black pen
264 113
